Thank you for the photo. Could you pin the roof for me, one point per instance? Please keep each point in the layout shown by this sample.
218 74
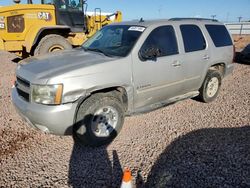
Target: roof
147 23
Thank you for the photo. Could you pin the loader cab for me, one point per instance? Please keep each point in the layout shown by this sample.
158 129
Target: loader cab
70 13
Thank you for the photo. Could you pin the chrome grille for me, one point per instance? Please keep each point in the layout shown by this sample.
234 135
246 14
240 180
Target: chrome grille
23 88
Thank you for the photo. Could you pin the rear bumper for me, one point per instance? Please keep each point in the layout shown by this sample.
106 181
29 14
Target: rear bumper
56 120
229 69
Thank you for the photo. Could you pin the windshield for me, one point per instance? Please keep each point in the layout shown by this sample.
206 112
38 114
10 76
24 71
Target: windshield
65 4
114 40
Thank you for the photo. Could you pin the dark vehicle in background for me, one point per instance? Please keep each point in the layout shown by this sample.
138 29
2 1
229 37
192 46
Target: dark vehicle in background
244 55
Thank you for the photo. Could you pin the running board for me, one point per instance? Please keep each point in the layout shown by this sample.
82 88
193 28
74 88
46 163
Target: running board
165 103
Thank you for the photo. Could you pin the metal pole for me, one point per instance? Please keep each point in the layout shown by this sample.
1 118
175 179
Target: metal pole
240 17
241 27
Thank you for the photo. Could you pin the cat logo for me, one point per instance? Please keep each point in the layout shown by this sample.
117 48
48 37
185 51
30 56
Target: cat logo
44 16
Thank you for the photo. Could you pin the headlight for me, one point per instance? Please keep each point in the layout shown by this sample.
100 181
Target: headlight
47 94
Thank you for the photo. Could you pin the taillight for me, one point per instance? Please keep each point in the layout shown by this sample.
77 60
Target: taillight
234 54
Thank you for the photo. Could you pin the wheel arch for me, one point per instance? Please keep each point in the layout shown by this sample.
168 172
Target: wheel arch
221 67
125 94
121 91
34 37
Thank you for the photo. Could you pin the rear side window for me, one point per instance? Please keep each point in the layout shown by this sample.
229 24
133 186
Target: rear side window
163 38
219 35
193 38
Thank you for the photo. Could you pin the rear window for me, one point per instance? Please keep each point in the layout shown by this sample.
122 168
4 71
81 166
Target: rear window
219 35
193 38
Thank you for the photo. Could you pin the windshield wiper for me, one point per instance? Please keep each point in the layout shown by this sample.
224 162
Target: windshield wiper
97 50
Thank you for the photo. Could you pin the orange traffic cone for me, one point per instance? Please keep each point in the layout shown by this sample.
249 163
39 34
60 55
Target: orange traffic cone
127 179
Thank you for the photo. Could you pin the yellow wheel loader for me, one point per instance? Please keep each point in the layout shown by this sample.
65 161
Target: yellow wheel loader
33 29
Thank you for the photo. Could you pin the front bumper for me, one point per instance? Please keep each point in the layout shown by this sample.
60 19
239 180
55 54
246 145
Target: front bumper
56 120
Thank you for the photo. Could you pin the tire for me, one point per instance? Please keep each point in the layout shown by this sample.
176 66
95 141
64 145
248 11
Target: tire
210 87
52 43
99 119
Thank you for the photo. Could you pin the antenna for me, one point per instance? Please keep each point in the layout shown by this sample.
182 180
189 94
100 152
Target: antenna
213 16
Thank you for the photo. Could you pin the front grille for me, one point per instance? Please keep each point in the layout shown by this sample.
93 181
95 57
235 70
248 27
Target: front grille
23 88
23 82
15 24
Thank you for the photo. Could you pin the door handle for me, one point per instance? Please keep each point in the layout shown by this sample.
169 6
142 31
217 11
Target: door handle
176 64
206 57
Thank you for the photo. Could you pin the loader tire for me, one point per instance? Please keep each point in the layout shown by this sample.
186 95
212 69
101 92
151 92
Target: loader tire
52 43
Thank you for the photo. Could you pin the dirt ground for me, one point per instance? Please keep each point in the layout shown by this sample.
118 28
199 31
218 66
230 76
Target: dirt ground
241 41
188 144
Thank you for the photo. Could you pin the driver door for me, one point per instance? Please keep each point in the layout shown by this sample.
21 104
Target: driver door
161 78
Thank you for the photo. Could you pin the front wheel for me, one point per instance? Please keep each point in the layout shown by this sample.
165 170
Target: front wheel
211 86
99 119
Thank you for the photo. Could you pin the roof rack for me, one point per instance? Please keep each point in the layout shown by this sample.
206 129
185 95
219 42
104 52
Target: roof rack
199 19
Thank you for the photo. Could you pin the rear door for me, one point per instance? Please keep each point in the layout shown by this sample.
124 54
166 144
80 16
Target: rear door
162 78
196 55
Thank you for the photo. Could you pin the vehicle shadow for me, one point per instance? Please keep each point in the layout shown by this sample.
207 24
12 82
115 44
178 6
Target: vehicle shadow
93 167
214 157
238 59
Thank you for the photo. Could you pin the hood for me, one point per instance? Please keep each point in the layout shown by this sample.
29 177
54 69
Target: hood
50 65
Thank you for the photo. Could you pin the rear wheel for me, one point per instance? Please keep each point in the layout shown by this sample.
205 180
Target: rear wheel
211 86
52 43
99 119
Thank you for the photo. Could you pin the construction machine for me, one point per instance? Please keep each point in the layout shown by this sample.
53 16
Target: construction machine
34 29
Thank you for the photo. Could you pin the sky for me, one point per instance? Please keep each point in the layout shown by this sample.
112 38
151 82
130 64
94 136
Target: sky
225 10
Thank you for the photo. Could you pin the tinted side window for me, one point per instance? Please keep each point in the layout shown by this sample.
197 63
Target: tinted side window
164 39
193 38
219 35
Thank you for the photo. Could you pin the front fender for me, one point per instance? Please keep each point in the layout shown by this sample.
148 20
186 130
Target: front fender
129 91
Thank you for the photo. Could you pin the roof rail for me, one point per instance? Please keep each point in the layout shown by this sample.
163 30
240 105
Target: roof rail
200 19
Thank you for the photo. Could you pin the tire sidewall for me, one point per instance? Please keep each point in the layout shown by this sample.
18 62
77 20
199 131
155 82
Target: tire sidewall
210 75
52 40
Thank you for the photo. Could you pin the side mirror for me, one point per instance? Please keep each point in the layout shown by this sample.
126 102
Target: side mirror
150 53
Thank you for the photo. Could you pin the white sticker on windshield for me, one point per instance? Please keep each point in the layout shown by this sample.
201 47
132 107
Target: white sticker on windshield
136 28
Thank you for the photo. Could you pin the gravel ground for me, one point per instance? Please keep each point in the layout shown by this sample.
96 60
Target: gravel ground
188 144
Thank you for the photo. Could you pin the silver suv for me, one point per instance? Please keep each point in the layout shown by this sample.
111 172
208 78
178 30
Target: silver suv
124 69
